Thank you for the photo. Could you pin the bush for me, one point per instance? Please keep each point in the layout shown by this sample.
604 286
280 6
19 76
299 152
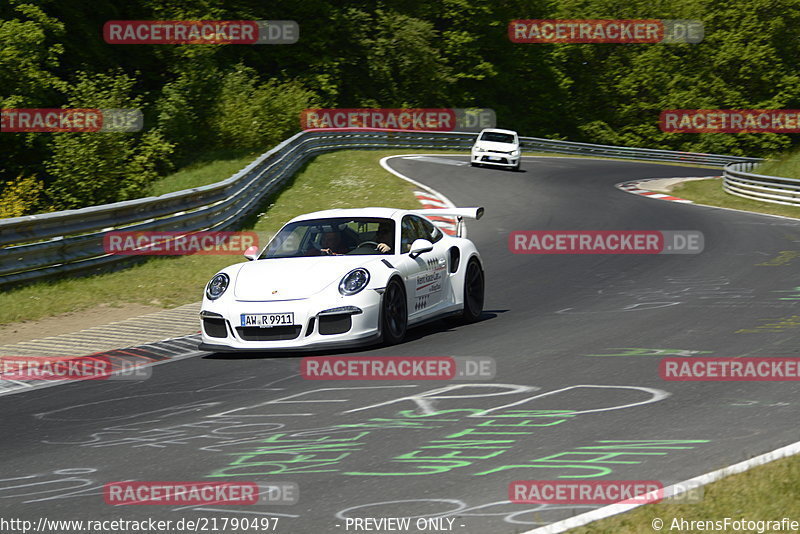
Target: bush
21 196
253 115
98 168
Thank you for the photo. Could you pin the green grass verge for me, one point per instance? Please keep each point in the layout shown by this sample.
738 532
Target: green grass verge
344 179
710 192
769 492
786 166
214 168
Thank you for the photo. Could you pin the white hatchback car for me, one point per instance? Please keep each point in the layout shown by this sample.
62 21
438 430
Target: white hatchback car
496 147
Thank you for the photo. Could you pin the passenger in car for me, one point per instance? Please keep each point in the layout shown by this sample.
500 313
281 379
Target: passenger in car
385 238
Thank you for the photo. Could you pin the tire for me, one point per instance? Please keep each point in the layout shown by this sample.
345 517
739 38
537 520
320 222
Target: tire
473 292
472 163
394 313
515 168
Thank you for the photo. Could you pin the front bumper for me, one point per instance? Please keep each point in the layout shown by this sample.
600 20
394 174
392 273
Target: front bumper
494 158
318 322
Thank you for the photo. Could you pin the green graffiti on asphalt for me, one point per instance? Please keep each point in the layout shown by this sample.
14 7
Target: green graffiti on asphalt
638 351
485 437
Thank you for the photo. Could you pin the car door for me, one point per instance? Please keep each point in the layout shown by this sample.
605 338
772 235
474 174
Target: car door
425 276
440 268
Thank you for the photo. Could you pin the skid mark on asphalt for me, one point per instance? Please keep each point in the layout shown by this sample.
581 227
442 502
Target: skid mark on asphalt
441 161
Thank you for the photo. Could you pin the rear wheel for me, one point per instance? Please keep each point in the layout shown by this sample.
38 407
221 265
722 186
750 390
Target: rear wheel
473 292
394 313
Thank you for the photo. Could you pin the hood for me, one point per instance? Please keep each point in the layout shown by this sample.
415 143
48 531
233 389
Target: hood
292 278
492 145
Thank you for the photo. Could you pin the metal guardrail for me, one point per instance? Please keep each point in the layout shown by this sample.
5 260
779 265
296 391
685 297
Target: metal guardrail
71 242
611 151
737 181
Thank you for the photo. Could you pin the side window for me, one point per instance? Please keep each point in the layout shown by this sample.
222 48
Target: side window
429 231
408 233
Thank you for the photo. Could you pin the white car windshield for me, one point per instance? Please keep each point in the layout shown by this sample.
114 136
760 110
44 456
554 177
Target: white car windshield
333 237
498 137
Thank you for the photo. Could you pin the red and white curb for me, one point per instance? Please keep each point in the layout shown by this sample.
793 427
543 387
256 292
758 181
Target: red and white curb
639 187
431 201
428 197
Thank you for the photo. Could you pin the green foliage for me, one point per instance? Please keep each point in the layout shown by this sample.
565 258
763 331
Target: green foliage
21 196
747 60
97 168
249 114
29 56
403 66
185 100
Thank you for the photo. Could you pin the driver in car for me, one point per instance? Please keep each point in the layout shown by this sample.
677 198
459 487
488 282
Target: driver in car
332 244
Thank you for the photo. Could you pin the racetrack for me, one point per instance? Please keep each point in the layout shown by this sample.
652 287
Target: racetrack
577 340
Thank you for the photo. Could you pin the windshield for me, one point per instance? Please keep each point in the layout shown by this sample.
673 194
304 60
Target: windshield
333 237
497 137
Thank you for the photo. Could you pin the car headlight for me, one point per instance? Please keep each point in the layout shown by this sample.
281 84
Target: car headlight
354 281
217 286
515 152
478 149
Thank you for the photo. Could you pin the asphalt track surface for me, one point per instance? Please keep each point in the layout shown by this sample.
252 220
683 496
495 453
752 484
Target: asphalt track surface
576 338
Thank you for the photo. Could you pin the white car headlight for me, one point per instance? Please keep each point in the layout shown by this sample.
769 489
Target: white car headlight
515 152
478 149
354 281
217 286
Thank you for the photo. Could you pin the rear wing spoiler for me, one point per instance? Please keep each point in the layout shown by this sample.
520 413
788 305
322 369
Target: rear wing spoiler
458 213
469 213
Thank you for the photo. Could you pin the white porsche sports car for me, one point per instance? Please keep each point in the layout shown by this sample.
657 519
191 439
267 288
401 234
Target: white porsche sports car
344 277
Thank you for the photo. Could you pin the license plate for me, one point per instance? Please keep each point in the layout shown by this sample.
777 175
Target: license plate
494 158
268 320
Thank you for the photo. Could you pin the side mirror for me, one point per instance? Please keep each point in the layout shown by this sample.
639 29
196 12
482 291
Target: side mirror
420 246
251 253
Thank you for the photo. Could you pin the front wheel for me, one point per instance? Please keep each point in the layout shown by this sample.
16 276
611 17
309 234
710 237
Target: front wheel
394 313
473 292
